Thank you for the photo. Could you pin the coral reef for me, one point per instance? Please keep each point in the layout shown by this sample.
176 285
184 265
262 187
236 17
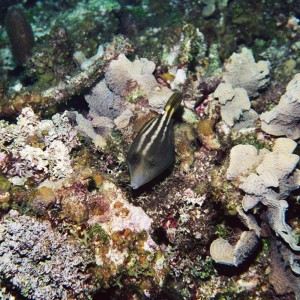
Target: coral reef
111 101
222 223
130 80
40 262
274 169
37 148
242 71
222 252
233 102
283 119
69 87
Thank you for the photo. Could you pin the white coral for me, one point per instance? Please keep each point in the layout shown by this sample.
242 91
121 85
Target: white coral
222 252
38 148
268 170
284 118
242 71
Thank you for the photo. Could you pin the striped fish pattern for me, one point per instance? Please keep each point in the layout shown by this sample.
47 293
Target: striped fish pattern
152 151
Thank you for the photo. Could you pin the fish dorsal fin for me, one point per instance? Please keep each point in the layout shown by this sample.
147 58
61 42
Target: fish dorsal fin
173 103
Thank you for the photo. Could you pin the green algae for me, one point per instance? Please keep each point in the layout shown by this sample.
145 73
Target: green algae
96 233
4 183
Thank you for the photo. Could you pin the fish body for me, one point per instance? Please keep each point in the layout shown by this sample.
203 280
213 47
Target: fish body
152 151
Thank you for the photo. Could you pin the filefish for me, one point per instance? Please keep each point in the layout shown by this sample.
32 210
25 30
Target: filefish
152 151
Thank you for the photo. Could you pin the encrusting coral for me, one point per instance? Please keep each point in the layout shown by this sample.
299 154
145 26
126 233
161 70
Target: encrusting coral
80 230
233 102
257 173
40 262
284 118
69 87
125 82
37 148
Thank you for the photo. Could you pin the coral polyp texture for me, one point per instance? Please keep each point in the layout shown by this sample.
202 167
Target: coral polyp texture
222 222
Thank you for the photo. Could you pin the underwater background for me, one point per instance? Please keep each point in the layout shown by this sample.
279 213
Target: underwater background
84 112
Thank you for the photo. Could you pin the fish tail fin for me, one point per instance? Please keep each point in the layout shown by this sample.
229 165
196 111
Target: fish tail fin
173 103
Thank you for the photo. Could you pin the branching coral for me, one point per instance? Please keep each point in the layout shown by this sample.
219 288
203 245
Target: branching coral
38 148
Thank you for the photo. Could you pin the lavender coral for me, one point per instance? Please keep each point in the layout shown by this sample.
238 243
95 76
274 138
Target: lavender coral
124 82
41 262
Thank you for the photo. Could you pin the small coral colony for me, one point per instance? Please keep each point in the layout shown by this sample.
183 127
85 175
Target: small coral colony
149 150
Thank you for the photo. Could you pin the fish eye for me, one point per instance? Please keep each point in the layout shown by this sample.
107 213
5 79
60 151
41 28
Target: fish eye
135 158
